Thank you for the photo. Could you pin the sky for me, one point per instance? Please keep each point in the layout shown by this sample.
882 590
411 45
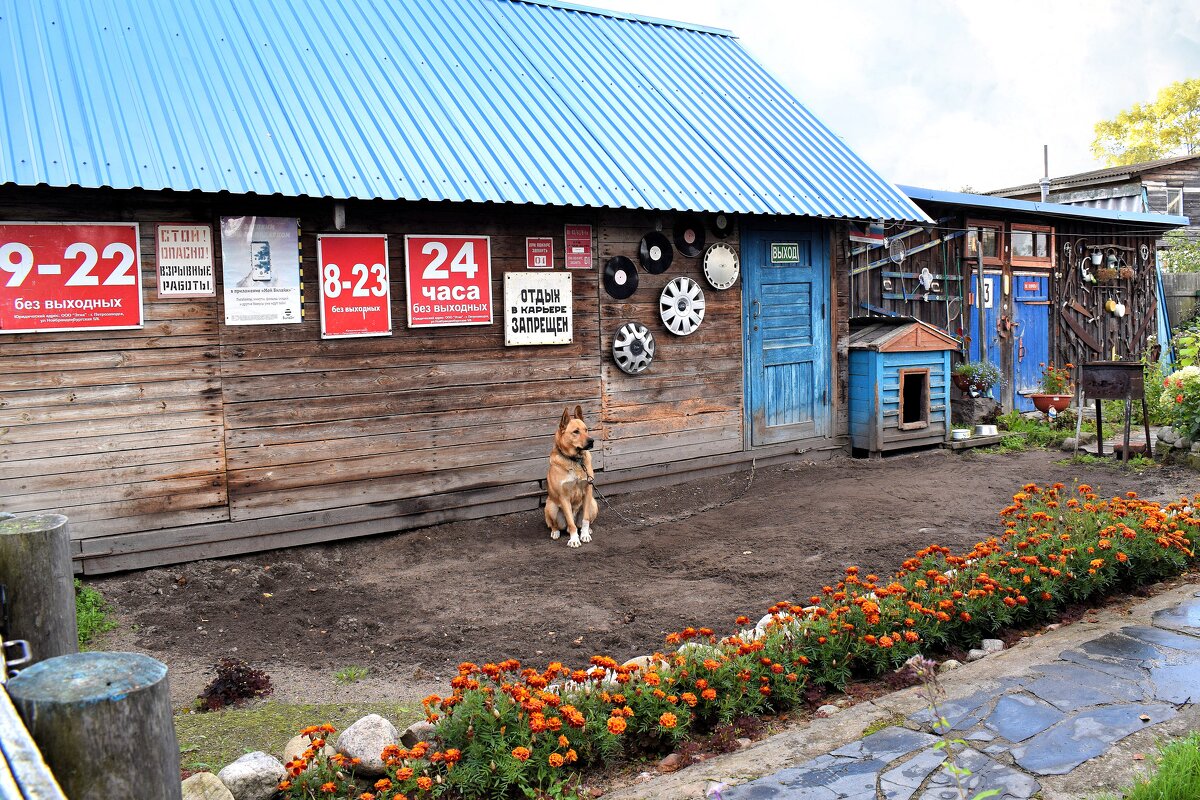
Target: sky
955 94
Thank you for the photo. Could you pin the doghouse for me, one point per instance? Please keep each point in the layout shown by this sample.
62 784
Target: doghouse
899 384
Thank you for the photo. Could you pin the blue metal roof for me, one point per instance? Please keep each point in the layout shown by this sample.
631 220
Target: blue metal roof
460 100
1059 210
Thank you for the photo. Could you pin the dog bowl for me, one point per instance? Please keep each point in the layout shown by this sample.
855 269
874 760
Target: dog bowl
985 430
959 434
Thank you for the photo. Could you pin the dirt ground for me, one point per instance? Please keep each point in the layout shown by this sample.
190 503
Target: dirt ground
411 606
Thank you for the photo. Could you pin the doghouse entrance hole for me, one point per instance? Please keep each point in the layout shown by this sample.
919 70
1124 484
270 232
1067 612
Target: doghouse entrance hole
914 399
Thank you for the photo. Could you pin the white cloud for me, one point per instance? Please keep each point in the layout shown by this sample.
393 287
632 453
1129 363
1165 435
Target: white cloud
949 93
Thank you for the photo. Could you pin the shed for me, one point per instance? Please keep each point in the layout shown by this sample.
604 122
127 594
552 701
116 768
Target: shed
899 384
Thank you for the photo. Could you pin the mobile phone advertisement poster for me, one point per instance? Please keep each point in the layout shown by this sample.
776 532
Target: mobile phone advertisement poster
260 269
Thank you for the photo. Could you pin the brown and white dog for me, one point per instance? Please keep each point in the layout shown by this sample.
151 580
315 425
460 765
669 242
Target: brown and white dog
569 481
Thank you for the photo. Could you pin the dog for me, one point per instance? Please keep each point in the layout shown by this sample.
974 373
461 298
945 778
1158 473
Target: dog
569 481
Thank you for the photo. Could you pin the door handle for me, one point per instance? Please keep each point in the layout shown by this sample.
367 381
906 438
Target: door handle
757 309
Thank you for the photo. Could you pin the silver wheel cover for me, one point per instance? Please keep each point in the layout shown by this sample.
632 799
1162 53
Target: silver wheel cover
633 348
721 266
681 306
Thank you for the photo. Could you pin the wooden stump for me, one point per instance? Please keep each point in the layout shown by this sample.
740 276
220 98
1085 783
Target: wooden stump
103 723
35 566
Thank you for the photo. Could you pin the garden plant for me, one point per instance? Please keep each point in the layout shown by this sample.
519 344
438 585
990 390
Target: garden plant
508 730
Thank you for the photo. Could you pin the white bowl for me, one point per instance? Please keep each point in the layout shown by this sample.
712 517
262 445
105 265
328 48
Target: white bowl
959 434
985 430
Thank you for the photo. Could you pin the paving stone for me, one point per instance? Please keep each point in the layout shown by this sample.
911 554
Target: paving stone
769 789
1115 647
985 774
1086 735
980 736
887 745
1184 617
1124 669
961 713
1131 691
1019 716
1176 683
1163 638
1066 694
845 777
902 782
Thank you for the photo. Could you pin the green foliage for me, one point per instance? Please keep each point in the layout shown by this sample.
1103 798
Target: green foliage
91 614
1168 126
1181 395
1038 433
351 674
1181 255
1177 776
1187 345
1135 464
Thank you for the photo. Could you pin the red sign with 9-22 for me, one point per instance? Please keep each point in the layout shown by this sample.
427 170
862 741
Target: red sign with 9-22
449 280
69 276
355 294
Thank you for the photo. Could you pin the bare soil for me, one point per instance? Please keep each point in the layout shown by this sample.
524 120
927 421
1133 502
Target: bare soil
411 606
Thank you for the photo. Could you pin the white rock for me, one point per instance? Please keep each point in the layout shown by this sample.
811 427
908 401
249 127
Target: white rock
1167 434
297 745
949 664
827 710
1054 626
1182 443
990 646
703 650
418 732
976 654
205 786
365 741
254 776
744 742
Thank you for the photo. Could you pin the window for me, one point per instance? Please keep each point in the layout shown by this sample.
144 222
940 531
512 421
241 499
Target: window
985 237
1175 200
1031 245
914 399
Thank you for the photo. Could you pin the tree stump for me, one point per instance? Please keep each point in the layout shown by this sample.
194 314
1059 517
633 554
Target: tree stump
103 723
35 567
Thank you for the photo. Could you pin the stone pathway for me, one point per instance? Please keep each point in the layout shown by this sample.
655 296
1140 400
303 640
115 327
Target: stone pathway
1057 716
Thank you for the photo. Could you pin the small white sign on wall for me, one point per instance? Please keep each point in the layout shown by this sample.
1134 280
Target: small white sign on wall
537 308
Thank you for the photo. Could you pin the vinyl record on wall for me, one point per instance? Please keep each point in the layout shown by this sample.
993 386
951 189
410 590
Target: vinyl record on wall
689 235
620 277
722 225
681 306
655 253
633 348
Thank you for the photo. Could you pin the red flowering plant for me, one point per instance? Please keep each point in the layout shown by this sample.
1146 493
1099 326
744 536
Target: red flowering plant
1057 380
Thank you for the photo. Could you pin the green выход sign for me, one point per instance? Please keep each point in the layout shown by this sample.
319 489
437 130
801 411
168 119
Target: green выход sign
785 253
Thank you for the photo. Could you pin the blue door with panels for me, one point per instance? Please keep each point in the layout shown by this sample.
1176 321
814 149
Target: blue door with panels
990 300
1031 335
786 322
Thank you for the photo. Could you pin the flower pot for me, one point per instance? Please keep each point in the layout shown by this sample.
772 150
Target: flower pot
1045 402
961 381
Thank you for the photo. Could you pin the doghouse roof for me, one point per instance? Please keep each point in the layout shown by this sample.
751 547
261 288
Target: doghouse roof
515 101
903 335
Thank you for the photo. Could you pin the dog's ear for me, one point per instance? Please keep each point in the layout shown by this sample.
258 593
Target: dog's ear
579 413
566 419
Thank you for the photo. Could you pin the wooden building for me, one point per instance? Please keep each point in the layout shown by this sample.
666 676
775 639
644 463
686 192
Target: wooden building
1043 299
232 411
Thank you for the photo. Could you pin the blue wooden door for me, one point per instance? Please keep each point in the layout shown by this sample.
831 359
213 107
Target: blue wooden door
1031 345
990 300
786 318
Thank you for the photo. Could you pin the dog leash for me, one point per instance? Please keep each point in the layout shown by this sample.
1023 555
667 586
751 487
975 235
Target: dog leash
679 517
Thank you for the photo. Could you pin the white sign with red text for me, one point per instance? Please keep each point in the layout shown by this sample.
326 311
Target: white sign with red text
448 280
356 298
184 255
69 276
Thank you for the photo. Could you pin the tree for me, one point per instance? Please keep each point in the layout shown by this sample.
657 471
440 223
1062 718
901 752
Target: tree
1181 255
1168 126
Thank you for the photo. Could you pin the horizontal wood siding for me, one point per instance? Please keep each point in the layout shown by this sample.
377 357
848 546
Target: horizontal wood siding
688 404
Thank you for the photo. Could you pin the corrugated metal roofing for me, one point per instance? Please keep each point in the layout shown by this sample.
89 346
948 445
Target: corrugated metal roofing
1060 210
460 100
1122 172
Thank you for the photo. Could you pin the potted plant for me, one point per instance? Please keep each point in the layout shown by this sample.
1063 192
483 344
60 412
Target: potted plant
975 377
1057 389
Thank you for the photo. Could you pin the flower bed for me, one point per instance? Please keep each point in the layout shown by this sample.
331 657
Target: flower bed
511 731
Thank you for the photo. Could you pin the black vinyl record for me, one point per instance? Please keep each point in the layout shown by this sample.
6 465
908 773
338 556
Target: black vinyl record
620 277
722 225
655 253
689 235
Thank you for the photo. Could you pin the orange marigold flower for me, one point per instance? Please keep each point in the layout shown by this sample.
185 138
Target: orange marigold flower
402 774
383 784
709 694
668 720
616 725
1122 557
689 698
572 756
555 760
366 796
452 755
329 787
885 641
424 783
964 616
284 785
521 753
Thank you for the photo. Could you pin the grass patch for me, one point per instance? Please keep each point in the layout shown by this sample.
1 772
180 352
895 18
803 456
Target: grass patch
351 674
1135 464
1177 777
212 740
91 614
886 722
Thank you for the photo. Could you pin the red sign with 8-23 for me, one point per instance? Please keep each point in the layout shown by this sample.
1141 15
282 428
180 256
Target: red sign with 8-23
449 280
69 276
355 295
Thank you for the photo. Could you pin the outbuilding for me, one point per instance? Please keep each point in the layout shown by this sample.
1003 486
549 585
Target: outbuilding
287 273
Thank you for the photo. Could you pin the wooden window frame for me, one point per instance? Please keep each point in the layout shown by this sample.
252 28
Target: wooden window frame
1045 261
1172 190
996 260
926 396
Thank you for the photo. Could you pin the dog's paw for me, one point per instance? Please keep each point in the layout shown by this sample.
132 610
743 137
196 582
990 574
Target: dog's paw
585 536
555 534
573 542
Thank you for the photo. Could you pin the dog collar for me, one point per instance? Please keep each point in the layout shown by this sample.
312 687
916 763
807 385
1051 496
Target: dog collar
577 459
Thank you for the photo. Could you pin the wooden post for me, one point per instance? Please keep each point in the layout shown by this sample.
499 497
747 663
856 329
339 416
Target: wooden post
35 567
103 723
